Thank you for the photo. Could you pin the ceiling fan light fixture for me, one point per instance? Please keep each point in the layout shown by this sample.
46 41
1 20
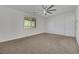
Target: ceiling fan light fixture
48 10
45 12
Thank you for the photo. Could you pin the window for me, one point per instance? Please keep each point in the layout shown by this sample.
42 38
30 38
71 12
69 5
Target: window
29 22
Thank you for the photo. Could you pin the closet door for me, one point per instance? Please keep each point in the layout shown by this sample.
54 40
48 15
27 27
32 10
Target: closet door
70 25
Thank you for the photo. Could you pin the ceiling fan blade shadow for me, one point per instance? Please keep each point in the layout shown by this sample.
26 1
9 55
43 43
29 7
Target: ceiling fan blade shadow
50 6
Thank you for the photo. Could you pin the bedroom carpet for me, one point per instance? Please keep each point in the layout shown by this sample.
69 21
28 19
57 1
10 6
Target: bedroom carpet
44 43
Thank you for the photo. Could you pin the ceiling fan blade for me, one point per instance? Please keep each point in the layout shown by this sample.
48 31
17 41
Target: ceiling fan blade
51 6
44 7
49 12
37 12
52 10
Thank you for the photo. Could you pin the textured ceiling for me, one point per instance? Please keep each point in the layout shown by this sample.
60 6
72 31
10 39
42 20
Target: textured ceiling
38 8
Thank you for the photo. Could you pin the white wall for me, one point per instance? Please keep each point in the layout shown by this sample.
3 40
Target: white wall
11 24
77 24
63 24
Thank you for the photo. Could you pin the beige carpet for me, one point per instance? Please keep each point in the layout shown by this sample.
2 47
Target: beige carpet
41 44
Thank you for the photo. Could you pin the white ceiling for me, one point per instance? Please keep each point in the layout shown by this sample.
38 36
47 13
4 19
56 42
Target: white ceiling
35 8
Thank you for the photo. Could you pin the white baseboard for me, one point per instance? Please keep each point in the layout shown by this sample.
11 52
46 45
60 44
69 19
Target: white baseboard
18 36
62 34
21 36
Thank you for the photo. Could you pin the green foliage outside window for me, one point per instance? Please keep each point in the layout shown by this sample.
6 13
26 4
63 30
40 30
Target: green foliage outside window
29 22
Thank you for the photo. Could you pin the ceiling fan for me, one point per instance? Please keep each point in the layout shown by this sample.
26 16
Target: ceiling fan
47 9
